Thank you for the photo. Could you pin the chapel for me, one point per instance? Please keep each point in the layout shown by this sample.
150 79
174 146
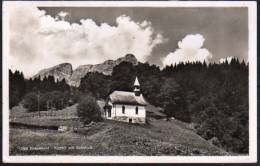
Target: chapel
126 106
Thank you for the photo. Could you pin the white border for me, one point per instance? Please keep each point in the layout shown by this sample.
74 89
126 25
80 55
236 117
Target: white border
252 22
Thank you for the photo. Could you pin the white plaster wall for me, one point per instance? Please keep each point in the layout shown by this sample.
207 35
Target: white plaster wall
129 111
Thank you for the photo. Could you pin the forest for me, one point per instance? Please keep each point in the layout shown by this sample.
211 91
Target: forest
212 97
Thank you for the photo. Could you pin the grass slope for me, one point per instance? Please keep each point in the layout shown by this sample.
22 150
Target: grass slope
158 137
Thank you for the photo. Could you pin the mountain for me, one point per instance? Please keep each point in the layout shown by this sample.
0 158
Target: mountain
64 70
59 72
105 68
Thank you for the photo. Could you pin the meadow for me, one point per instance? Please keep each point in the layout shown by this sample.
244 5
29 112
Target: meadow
157 137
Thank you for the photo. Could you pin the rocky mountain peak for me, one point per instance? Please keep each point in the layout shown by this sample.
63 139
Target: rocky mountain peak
64 70
128 58
59 72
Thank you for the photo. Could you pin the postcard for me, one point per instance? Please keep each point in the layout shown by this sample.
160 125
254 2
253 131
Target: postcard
129 82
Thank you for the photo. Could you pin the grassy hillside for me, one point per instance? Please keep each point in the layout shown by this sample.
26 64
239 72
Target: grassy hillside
158 137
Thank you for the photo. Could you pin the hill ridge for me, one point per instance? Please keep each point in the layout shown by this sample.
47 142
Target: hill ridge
73 77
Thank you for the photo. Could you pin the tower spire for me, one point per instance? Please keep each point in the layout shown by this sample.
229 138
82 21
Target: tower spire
136 82
137 87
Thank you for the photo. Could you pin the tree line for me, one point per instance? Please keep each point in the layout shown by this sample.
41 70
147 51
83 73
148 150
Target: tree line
212 97
38 94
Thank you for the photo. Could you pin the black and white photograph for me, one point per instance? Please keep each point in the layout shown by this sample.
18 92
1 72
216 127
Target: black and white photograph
129 81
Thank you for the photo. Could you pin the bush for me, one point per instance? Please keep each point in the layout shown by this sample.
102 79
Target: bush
30 102
88 109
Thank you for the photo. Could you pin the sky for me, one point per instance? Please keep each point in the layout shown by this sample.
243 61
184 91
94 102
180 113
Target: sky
46 36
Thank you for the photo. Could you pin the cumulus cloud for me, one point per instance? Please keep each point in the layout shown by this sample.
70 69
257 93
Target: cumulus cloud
38 40
62 15
228 59
190 50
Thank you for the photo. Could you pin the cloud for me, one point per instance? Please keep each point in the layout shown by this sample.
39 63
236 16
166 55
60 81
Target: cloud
190 50
228 59
62 15
38 40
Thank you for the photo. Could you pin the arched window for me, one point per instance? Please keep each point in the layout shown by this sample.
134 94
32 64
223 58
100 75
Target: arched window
136 110
123 109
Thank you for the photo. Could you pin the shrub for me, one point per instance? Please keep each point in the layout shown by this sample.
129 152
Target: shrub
88 109
30 102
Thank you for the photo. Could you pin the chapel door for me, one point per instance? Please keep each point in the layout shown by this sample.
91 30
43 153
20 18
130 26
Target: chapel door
109 113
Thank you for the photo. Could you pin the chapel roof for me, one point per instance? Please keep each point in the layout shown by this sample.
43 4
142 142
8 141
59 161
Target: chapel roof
122 97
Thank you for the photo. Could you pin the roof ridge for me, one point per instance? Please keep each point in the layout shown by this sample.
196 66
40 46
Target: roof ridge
123 91
126 97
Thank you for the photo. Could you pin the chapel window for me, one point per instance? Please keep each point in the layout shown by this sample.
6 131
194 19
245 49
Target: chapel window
123 109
